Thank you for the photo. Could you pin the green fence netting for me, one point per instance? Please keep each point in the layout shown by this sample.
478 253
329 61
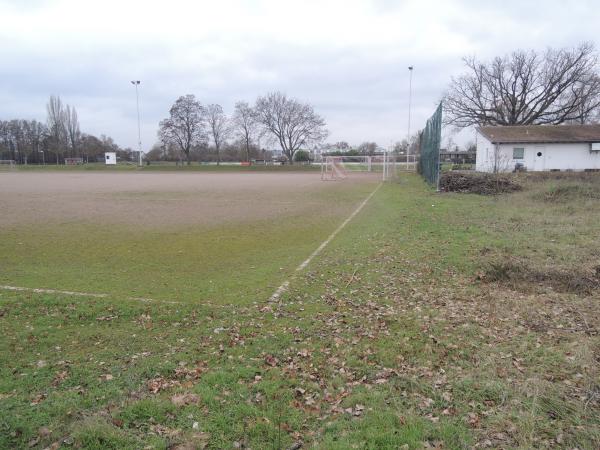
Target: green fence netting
430 140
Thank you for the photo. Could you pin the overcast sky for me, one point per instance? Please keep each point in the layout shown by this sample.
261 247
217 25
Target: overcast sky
348 58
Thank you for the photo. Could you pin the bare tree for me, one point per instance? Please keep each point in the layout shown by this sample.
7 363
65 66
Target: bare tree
246 125
292 123
526 88
27 141
588 110
56 122
219 127
185 125
34 132
73 131
500 161
367 148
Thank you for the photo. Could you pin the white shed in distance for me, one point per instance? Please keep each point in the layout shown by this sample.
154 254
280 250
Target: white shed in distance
110 158
538 148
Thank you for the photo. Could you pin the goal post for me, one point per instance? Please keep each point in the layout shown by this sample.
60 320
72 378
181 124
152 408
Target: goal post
8 164
383 165
332 168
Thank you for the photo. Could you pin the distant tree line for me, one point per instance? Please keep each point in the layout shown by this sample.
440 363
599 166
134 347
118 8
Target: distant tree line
60 137
193 131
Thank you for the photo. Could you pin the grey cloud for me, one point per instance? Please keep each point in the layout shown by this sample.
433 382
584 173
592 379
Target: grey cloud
359 85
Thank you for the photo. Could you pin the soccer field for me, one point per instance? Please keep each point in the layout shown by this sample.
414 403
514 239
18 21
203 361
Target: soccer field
146 319
188 237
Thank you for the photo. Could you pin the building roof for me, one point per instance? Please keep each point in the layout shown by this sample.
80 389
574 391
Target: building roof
541 134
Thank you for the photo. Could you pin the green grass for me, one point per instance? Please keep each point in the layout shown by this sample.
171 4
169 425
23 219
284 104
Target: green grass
387 340
237 262
219 264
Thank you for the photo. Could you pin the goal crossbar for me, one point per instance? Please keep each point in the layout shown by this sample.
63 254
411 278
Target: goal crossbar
340 167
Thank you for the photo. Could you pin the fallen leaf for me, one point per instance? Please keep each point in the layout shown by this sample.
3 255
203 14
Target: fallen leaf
473 419
59 378
271 360
44 432
38 399
184 399
117 423
158 384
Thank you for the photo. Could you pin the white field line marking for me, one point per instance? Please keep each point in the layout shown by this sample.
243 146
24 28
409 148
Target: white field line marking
77 294
52 291
281 289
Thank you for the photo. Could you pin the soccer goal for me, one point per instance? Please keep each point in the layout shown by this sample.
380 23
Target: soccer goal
382 166
7 164
73 161
333 168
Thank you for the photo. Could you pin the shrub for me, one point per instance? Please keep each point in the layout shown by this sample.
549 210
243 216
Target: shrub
301 156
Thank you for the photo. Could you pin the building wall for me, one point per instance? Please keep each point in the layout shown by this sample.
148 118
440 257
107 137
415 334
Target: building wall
110 158
483 159
553 157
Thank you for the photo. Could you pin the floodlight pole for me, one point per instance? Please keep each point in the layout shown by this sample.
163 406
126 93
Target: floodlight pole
137 101
410 69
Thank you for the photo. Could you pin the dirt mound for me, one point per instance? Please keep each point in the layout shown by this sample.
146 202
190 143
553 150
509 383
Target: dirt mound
478 183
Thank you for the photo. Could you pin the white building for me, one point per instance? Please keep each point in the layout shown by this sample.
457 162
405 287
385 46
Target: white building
538 148
110 158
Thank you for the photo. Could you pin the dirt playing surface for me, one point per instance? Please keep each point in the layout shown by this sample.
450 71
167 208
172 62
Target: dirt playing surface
161 199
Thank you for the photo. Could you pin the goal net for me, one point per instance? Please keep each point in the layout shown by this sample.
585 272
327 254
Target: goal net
7 164
333 168
384 166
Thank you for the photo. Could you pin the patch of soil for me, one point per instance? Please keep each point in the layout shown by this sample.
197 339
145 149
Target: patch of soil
165 199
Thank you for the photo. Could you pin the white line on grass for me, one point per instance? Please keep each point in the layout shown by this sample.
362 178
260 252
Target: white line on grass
281 289
77 294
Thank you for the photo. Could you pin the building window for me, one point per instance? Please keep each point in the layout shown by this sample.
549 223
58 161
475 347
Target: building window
518 153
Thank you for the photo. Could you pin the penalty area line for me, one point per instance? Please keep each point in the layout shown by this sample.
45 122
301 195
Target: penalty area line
78 294
284 287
